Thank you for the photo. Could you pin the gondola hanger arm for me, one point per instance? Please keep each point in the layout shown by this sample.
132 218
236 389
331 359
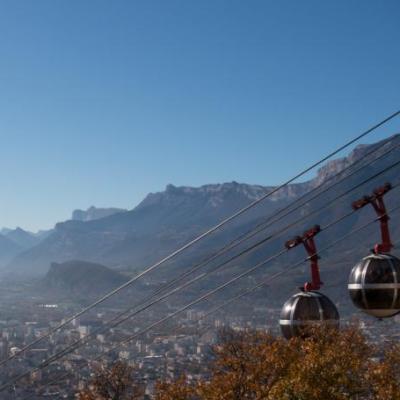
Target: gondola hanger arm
378 204
307 239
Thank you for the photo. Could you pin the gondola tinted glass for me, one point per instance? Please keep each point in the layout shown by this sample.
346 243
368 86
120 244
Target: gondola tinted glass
374 285
305 310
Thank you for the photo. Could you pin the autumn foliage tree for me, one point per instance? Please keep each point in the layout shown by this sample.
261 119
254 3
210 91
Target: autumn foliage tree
328 364
115 383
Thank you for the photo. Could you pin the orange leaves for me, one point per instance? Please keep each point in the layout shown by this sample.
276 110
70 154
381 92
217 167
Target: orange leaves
329 365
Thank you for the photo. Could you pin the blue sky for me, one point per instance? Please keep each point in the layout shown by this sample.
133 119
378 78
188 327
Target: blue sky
102 102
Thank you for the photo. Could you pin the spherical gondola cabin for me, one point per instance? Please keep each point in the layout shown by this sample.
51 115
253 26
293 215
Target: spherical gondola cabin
374 285
306 310
374 282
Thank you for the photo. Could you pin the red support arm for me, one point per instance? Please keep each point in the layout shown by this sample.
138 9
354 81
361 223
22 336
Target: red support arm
376 200
309 244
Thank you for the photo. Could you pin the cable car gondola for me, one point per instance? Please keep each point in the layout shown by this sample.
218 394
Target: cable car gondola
309 307
374 282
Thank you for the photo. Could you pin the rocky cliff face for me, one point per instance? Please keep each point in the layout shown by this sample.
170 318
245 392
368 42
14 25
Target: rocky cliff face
334 166
215 195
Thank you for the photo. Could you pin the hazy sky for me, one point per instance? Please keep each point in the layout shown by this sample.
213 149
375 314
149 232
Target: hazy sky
102 102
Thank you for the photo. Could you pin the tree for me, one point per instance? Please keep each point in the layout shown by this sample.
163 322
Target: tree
331 365
115 383
327 364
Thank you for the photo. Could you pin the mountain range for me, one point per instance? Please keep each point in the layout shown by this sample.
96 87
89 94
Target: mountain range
162 222
18 240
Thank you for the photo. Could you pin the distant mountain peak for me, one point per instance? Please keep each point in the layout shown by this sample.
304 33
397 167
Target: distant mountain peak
82 276
22 238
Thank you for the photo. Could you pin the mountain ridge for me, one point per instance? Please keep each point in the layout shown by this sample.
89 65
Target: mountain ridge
22 238
163 221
